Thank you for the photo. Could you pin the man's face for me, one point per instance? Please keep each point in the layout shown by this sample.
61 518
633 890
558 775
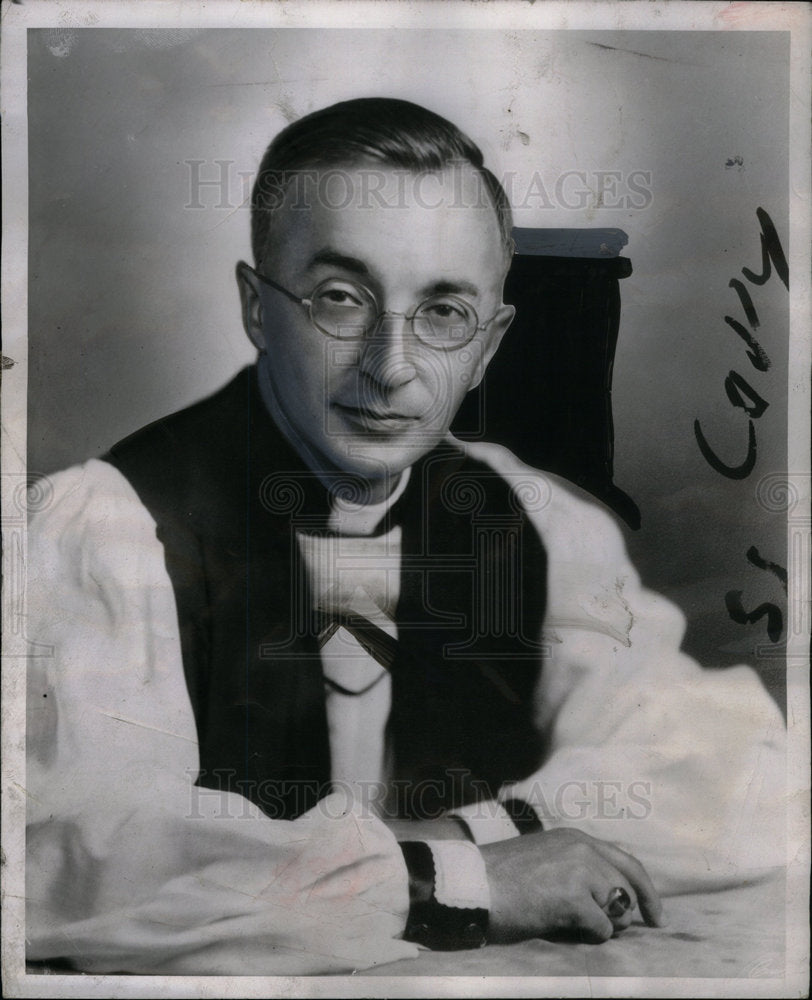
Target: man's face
373 407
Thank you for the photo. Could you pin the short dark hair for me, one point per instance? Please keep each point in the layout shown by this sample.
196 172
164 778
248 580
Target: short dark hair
394 132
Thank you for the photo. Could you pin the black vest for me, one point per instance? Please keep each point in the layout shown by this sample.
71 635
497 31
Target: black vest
228 494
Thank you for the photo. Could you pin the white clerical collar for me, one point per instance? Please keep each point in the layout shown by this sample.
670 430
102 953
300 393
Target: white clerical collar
348 518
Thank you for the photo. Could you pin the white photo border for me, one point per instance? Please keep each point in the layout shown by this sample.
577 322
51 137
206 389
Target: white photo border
17 18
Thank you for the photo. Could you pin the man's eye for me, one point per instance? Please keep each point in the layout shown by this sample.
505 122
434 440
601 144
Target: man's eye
444 311
341 297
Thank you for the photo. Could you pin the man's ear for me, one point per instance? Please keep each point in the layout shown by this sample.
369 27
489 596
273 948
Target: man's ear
498 328
249 286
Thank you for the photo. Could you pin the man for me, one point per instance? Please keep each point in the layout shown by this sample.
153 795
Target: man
326 684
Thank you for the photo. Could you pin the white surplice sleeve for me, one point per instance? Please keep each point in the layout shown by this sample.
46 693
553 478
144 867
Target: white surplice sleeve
130 868
682 766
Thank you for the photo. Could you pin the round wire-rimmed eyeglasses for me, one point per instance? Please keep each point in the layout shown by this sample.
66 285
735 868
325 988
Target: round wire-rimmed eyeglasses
346 310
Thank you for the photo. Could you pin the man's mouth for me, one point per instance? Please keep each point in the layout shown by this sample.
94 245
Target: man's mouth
376 419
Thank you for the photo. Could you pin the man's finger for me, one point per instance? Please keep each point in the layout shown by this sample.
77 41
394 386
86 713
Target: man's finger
592 924
648 898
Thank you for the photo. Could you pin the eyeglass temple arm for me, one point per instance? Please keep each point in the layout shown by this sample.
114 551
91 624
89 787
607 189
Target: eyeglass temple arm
487 323
293 298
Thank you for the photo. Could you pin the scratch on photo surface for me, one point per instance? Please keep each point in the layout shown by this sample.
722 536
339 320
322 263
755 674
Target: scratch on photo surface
206 881
587 955
230 214
281 870
358 832
25 791
143 725
242 83
9 443
619 585
633 52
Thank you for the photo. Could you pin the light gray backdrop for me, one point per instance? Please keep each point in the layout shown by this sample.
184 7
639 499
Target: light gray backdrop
133 306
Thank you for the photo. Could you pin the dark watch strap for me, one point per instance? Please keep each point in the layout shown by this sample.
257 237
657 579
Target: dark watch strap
442 928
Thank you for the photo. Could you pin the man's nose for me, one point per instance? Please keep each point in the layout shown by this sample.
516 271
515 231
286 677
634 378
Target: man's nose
387 356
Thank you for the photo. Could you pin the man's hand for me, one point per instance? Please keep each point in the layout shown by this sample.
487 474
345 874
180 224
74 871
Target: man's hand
558 882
